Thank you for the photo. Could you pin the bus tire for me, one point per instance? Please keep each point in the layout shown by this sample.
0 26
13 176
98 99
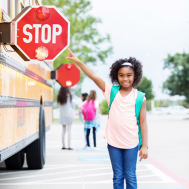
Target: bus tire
35 152
16 161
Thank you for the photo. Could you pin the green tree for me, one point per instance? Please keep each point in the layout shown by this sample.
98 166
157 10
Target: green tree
85 40
178 82
104 107
146 87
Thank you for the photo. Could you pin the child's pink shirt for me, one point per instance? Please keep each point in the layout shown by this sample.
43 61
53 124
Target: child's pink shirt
122 129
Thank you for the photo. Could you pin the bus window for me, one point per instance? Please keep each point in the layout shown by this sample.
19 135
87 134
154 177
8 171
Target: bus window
27 3
17 7
4 6
11 10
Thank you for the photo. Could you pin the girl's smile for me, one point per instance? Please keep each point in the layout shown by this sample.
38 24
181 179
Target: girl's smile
126 83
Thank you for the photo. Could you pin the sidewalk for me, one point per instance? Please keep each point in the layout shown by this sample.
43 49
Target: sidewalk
91 169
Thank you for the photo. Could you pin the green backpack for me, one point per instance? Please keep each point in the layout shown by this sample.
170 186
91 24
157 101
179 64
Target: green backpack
138 105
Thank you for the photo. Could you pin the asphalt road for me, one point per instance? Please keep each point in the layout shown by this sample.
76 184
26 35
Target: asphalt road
166 168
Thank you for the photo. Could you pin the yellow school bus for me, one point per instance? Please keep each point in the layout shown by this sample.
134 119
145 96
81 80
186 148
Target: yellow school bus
26 100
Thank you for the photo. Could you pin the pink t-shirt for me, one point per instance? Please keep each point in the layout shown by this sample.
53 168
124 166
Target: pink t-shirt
122 129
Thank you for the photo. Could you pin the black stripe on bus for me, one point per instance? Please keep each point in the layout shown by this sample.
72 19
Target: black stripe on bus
12 102
13 149
13 64
48 103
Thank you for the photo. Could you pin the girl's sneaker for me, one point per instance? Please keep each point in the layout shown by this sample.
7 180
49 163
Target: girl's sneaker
70 148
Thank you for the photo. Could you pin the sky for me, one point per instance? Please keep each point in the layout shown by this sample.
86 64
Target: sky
145 29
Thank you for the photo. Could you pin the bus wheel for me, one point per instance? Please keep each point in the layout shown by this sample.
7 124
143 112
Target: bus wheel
16 161
35 152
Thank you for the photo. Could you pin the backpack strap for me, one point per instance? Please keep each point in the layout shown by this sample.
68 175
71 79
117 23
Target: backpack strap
138 105
113 93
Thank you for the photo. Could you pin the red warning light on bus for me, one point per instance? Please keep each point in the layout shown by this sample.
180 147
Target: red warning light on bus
42 13
41 53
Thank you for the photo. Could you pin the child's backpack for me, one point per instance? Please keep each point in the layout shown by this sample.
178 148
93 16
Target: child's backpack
89 111
138 105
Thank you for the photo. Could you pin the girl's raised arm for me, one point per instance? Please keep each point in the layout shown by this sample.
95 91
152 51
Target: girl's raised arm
92 75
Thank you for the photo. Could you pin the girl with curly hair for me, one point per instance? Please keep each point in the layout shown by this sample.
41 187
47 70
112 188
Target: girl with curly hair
64 98
126 131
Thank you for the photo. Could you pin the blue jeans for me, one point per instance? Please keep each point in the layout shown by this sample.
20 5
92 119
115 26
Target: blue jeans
124 166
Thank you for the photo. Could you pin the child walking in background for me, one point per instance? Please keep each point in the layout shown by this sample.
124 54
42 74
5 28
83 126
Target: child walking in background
83 98
90 110
64 98
126 129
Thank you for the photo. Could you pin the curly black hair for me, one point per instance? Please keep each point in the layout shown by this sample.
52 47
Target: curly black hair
137 67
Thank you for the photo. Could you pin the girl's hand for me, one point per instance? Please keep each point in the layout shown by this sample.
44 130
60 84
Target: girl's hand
71 56
99 82
143 153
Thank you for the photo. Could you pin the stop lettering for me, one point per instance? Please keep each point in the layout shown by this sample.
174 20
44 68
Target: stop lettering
46 32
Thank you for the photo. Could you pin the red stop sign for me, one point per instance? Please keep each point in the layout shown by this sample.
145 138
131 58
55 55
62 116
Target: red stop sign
39 36
67 75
